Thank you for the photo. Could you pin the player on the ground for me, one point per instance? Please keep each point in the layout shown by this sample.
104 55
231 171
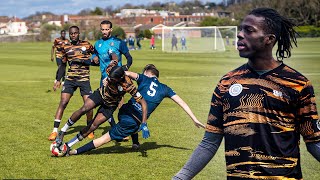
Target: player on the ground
107 97
57 48
77 54
261 108
131 114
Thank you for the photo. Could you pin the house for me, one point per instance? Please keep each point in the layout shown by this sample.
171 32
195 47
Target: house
17 27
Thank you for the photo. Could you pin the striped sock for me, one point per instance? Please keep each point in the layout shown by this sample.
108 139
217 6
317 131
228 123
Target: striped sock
56 125
67 125
75 139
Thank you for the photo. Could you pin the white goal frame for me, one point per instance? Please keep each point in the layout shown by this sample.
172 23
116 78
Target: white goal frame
164 28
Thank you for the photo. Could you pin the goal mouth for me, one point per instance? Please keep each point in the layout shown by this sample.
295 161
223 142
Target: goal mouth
207 39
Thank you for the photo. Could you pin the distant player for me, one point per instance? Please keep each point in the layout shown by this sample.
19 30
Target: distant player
131 114
77 54
107 98
57 47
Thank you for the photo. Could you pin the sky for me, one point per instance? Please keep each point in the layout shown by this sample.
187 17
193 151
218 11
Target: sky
24 8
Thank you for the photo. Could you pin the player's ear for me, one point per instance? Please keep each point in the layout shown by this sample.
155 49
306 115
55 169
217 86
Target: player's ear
270 39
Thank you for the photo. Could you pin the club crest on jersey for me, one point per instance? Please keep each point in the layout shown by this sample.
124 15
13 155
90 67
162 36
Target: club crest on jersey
112 44
235 89
83 48
120 88
100 45
277 93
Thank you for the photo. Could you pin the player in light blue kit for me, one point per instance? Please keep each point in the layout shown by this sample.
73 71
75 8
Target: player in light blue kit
109 44
130 114
103 49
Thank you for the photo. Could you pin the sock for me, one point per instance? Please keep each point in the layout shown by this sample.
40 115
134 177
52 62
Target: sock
67 125
76 139
87 147
135 138
56 125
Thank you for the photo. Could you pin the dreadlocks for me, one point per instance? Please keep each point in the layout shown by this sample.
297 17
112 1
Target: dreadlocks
281 27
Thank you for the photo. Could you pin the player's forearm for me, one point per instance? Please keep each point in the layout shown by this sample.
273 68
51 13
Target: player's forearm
61 71
200 157
184 106
144 110
129 59
314 149
132 75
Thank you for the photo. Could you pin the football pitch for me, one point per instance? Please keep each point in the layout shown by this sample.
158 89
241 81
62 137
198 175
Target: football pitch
28 105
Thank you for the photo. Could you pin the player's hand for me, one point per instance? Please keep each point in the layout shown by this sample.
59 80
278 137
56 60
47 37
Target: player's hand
145 130
198 124
52 59
96 59
56 85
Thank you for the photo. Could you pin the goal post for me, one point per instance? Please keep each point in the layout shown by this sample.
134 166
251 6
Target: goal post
197 39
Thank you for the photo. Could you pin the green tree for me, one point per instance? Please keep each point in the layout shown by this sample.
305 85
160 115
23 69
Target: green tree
46 31
118 32
97 11
147 33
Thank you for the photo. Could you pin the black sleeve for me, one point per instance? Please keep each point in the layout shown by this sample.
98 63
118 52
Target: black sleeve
129 59
61 71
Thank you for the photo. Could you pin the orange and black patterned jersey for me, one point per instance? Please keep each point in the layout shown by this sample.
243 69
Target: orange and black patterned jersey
113 93
78 57
58 43
262 118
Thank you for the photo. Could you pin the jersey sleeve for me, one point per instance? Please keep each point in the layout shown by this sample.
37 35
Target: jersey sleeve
123 47
170 92
215 117
307 115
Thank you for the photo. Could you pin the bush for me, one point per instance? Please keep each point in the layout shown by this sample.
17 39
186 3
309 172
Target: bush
308 31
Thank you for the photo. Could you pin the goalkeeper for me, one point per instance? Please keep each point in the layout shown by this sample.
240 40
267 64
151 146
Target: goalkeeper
131 114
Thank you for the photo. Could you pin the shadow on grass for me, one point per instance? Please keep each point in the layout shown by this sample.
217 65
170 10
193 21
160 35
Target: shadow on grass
118 149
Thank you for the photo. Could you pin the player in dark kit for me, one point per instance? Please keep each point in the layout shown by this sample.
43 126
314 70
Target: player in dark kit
57 48
260 108
107 97
77 54
131 115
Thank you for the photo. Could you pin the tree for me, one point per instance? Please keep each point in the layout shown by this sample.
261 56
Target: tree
97 11
46 30
118 32
147 33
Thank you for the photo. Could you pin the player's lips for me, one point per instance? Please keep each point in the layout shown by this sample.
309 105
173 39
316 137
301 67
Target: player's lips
241 46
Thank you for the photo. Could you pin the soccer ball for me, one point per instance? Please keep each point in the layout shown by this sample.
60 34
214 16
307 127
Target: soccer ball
57 150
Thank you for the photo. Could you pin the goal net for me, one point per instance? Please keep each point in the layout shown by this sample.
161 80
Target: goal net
198 39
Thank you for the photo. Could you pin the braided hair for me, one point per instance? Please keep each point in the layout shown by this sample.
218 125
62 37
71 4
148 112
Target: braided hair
281 27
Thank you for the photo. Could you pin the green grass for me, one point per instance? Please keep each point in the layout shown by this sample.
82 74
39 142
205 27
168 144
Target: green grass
28 106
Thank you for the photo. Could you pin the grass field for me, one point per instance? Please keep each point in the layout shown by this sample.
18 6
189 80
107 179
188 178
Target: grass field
28 105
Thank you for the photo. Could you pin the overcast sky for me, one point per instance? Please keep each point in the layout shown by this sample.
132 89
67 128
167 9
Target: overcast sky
24 8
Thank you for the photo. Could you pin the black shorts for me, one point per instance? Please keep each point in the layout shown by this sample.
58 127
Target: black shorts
59 61
107 111
71 86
